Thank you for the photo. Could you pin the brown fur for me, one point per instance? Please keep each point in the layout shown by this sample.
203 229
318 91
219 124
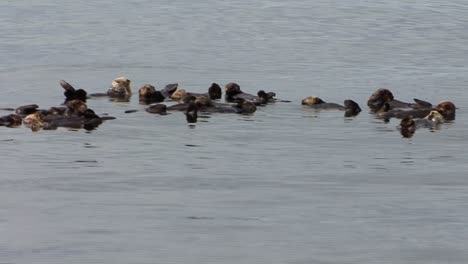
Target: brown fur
146 90
446 109
178 94
76 107
33 121
121 85
311 100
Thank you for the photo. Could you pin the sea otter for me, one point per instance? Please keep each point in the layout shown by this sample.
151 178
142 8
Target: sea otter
205 104
445 108
408 125
148 94
11 120
350 107
233 92
383 96
214 93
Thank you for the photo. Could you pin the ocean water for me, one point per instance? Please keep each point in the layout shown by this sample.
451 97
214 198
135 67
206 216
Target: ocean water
285 185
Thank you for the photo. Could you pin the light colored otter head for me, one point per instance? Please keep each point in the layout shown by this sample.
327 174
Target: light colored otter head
146 90
33 121
312 100
121 85
178 94
76 107
446 109
435 117
379 98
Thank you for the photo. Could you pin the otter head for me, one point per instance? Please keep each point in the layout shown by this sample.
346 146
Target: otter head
232 89
203 101
146 90
435 117
351 108
77 107
312 100
407 127
178 94
12 120
379 98
446 109
33 121
215 92
120 87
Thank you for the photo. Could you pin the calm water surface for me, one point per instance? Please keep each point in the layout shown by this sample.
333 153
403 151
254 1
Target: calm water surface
285 185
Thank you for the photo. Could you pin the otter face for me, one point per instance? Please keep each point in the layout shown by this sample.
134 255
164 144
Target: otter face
33 121
435 117
446 109
215 91
178 94
379 98
120 87
312 100
203 101
146 90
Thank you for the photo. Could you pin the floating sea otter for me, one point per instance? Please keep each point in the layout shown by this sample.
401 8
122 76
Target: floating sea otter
445 108
233 92
350 107
148 93
204 104
408 125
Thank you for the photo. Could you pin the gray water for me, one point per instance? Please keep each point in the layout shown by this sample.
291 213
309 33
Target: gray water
285 185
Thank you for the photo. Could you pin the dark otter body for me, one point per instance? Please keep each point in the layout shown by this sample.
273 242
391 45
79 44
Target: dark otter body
157 109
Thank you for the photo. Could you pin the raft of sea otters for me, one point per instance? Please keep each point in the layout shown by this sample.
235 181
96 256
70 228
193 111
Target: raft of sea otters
74 113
